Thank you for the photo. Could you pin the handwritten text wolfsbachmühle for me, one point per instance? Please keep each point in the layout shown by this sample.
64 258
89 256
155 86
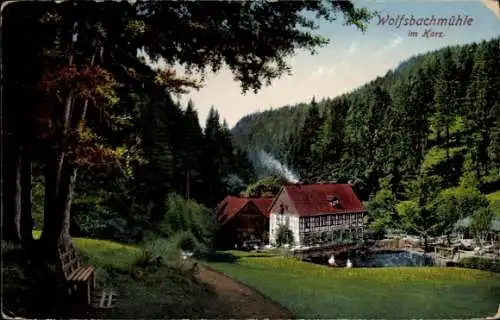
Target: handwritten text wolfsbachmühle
404 20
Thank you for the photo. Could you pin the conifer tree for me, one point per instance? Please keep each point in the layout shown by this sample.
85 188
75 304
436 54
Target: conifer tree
446 88
483 104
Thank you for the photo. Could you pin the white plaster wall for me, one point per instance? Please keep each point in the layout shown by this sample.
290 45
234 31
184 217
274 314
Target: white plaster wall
272 228
293 224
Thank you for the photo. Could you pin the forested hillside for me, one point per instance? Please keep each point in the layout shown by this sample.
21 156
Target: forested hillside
165 152
429 125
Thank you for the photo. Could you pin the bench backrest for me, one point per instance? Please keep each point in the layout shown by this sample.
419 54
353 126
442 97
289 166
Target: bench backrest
69 260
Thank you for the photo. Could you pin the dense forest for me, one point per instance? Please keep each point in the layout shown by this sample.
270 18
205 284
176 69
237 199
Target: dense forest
95 146
426 131
93 142
170 159
109 153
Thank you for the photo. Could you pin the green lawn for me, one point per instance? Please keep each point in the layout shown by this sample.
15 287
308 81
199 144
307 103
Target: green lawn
313 291
166 291
104 253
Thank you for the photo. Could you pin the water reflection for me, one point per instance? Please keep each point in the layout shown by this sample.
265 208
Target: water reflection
378 259
392 259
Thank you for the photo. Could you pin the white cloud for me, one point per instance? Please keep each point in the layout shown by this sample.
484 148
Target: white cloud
353 47
331 70
318 72
395 42
324 71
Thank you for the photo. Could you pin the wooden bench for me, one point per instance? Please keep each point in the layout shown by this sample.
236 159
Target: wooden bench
79 278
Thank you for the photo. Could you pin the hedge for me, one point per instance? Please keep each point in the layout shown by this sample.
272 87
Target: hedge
492 265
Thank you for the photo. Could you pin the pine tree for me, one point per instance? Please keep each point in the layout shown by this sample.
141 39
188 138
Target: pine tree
446 89
159 146
215 164
331 139
483 104
192 151
308 145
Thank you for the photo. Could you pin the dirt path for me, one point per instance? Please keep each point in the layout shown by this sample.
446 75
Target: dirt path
241 301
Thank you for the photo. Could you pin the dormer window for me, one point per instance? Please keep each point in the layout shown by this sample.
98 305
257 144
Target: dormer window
335 202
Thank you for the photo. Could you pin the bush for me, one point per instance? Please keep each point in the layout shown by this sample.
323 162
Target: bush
156 252
186 241
159 249
190 217
284 236
492 265
265 186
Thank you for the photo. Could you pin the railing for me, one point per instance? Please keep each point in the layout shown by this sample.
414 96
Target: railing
396 243
329 244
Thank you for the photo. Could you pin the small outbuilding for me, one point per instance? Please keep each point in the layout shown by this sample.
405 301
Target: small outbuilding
242 221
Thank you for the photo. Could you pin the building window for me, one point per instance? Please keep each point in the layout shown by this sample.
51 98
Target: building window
360 219
335 202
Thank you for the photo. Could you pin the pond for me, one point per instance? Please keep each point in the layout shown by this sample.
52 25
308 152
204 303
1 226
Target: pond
392 259
380 259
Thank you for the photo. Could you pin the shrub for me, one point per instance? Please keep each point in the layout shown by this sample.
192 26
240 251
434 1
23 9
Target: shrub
160 251
188 216
160 247
284 236
186 241
266 186
492 265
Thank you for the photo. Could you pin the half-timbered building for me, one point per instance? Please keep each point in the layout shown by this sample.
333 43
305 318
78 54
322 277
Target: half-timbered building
242 220
317 213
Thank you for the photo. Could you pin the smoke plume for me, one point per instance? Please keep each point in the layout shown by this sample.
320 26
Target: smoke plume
273 165
234 184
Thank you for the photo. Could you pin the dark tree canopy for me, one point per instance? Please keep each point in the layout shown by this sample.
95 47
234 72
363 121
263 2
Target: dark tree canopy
94 105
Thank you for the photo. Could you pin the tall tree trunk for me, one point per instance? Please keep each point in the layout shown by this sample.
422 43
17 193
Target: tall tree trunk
17 221
426 243
60 182
17 210
53 216
9 159
26 221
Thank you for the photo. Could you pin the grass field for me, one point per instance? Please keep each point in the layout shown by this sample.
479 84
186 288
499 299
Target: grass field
309 291
313 291
166 291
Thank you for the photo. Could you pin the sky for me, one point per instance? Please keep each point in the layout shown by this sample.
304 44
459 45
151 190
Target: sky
352 57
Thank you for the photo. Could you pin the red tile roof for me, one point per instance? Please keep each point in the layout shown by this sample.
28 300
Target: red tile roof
264 204
315 199
231 206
